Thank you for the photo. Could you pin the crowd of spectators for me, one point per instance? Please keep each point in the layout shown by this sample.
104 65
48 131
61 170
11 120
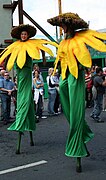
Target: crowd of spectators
95 81
8 92
7 88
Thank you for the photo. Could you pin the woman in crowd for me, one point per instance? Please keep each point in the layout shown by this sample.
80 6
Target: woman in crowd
51 91
38 94
88 87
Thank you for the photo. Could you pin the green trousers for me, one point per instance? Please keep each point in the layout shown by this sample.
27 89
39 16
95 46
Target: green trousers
72 95
25 117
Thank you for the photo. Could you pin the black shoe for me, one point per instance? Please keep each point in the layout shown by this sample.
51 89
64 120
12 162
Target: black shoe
99 121
37 121
92 116
5 122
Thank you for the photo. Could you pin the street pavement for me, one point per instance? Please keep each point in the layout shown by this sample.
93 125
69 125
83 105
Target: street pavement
50 140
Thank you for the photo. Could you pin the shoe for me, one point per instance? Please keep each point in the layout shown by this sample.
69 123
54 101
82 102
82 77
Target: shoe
11 117
37 120
37 117
5 122
92 116
56 113
52 114
99 121
43 117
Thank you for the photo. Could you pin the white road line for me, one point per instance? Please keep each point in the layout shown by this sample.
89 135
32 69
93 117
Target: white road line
22 167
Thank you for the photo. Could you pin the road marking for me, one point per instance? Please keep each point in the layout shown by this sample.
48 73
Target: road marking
22 167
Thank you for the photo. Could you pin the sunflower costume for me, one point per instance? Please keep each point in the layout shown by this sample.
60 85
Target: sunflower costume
73 56
22 53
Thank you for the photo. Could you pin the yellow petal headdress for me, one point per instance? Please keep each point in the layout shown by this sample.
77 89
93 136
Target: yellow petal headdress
74 49
71 19
18 49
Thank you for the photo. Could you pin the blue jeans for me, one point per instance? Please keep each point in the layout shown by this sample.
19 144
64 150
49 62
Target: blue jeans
52 97
98 103
6 104
39 106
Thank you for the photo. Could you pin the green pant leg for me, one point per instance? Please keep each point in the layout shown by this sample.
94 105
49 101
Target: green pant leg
64 97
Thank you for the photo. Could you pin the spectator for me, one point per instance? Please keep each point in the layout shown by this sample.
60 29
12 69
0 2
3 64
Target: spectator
6 87
36 67
38 95
104 96
88 87
51 91
104 71
14 96
57 100
1 79
100 83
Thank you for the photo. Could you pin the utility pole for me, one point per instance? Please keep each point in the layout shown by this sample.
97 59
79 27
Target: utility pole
20 11
60 12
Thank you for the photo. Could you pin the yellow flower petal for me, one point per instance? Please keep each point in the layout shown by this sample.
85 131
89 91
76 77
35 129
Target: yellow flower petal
18 49
8 50
64 68
12 59
89 37
72 64
96 34
6 53
41 41
21 59
32 50
82 54
49 51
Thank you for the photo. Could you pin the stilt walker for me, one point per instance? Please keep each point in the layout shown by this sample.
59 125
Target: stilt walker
22 52
73 56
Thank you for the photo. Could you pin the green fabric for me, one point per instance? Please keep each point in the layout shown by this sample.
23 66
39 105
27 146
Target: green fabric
72 94
25 117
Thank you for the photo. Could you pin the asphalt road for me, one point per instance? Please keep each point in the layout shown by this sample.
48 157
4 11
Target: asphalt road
50 139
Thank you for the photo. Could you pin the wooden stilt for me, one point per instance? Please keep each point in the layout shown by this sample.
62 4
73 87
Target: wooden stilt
19 143
78 167
31 139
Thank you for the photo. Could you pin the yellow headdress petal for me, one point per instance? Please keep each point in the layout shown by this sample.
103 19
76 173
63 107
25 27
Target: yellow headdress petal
12 59
18 49
41 41
89 37
82 54
96 34
77 48
72 64
46 49
64 68
8 50
21 59
6 53
32 50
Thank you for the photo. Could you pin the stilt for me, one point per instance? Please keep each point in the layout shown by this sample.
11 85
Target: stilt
19 143
78 167
31 139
